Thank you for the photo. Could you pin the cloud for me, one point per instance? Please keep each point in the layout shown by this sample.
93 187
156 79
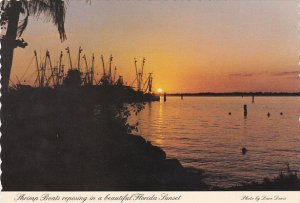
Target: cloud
286 73
241 74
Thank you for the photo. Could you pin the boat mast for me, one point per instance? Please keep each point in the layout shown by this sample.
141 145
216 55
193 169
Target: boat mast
115 73
60 70
68 51
38 69
142 73
150 82
51 69
137 75
110 61
92 69
44 71
103 65
79 53
86 70
86 65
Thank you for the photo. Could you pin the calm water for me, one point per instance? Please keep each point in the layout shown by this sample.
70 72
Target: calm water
200 133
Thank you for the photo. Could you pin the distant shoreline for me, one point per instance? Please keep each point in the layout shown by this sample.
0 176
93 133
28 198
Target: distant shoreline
236 94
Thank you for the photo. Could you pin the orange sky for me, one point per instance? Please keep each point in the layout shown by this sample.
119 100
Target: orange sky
190 46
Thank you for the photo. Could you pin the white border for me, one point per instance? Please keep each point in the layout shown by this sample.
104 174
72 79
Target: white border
191 197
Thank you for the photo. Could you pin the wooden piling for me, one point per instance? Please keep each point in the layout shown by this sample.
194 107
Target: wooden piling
252 98
165 97
245 110
181 97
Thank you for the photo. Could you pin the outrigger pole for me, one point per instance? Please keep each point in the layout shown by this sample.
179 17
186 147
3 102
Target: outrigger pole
68 51
78 63
92 69
104 73
38 69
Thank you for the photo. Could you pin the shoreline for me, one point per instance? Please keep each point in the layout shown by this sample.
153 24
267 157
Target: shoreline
65 144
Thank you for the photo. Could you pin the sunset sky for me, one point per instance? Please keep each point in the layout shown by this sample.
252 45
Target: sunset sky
190 46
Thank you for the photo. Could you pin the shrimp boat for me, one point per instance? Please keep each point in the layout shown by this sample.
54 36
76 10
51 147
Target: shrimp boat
81 78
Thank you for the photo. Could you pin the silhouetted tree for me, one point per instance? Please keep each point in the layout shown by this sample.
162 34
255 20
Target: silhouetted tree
14 18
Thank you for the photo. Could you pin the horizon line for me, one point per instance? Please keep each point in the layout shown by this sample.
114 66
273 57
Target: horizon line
236 93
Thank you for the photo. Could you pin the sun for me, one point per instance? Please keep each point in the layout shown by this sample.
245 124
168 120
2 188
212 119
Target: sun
159 90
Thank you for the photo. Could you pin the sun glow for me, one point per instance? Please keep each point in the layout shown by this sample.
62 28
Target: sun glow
159 90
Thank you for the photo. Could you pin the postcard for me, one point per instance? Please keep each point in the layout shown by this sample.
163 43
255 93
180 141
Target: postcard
150 101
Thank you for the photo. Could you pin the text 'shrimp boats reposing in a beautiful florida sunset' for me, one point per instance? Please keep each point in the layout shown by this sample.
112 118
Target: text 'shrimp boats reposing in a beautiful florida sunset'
150 95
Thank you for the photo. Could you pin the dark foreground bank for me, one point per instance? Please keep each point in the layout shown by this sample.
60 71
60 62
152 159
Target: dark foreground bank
70 143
